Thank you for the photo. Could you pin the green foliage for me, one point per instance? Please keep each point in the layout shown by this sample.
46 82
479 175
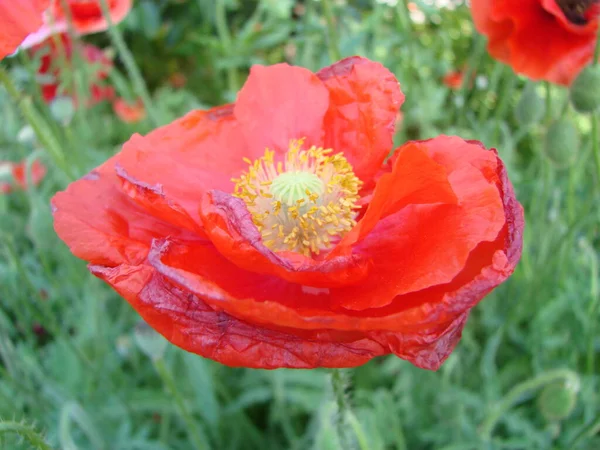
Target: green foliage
69 358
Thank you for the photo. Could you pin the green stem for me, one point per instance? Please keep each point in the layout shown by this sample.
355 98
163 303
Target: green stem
477 51
593 307
596 144
25 431
227 42
340 384
139 85
38 124
332 34
406 27
78 64
488 425
196 435
548 87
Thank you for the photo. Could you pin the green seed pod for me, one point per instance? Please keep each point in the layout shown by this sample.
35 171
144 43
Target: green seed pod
531 107
561 145
62 109
557 401
585 90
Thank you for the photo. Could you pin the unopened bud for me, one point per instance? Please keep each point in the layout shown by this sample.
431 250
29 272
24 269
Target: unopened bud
562 143
585 90
531 107
557 401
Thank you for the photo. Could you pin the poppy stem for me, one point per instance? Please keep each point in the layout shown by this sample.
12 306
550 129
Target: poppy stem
198 438
39 125
133 71
548 87
332 34
233 84
340 384
595 144
515 394
596 117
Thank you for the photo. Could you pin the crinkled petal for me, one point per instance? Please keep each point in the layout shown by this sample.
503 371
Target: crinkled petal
188 322
102 225
364 101
229 226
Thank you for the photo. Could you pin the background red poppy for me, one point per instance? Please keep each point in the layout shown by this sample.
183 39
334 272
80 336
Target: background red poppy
57 55
87 15
536 38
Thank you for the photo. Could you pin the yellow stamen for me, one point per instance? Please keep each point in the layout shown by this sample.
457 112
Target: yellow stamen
304 201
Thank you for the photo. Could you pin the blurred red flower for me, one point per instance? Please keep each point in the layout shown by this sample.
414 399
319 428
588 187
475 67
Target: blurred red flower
18 19
86 15
299 255
18 173
55 51
453 79
129 112
542 39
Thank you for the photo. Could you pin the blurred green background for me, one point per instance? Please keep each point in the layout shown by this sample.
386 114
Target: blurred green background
79 371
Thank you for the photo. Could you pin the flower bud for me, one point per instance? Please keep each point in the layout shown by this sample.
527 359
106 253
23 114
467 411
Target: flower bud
562 143
585 90
62 109
531 107
557 401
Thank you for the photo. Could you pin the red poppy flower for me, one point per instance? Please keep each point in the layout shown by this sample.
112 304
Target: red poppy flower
129 112
311 253
52 63
453 79
542 39
18 173
18 19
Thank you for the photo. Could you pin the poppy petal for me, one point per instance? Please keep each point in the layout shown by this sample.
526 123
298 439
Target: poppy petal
188 322
426 245
278 104
17 21
102 225
186 158
364 102
229 225
415 179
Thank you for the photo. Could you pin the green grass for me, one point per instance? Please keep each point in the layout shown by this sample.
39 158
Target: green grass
74 374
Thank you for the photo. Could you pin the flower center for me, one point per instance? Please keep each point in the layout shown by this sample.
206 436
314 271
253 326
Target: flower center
289 187
304 203
576 10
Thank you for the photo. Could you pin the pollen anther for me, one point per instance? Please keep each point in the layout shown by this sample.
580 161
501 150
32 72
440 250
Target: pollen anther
304 202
